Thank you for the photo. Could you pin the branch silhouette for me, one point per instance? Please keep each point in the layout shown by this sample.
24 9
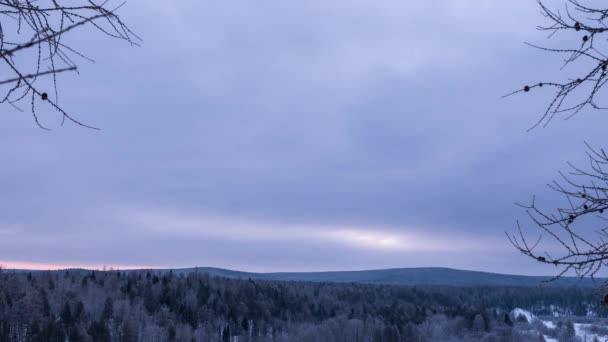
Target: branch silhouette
577 229
589 53
33 47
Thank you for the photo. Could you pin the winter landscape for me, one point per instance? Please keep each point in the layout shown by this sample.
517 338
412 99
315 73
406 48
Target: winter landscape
307 171
186 305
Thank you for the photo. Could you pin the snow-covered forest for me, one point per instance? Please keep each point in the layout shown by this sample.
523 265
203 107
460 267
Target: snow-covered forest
77 305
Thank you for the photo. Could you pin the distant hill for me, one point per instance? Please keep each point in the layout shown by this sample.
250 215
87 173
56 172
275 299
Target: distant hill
394 276
403 276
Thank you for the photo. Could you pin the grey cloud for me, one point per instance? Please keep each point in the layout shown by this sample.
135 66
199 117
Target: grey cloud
377 114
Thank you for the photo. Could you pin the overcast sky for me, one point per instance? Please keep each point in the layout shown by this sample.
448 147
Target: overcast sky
292 136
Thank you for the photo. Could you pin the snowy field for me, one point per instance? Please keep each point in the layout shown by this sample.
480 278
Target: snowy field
581 330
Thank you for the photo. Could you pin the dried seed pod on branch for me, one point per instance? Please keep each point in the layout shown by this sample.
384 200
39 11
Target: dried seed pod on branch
587 29
34 47
577 230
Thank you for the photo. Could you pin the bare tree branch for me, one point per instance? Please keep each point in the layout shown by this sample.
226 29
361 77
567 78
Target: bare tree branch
33 48
579 228
588 54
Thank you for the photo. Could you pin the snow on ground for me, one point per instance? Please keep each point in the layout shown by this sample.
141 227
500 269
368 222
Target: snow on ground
581 329
582 332
549 324
521 312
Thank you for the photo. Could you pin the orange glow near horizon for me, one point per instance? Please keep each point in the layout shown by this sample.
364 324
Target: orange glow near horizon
51 267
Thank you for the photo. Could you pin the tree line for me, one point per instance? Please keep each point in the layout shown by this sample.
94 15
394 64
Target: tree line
78 305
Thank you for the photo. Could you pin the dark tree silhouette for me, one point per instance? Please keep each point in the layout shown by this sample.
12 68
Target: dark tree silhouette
578 228
34 48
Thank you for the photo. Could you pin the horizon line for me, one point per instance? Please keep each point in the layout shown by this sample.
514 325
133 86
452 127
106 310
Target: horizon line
110 268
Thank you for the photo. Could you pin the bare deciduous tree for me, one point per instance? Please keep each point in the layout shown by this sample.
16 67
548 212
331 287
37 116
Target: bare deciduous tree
34 48
578 227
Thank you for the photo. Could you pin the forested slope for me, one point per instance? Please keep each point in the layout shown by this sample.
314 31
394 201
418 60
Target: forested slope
166 306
